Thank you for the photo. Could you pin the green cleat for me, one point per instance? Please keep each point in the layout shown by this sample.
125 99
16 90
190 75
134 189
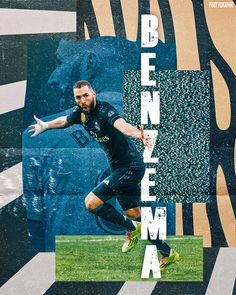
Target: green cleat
166 261
131 238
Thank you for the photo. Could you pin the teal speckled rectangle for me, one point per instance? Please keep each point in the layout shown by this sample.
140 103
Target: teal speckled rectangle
183 142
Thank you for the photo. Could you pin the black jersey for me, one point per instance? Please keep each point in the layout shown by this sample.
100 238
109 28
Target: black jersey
120 149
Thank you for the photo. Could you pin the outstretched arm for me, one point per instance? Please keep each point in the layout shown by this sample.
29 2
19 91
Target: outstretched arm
41 126
129 130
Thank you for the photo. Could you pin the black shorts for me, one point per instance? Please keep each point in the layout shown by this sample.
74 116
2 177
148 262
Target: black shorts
124 184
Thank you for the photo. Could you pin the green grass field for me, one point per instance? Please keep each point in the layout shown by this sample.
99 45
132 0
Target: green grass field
99 258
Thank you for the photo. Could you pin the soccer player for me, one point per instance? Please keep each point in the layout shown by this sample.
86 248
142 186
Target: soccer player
112 132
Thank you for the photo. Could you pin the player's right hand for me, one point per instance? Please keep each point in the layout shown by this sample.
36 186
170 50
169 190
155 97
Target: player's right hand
38 128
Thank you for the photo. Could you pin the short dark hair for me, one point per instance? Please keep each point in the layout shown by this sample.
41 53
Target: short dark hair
82 83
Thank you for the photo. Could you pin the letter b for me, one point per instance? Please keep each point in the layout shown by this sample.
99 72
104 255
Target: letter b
149 34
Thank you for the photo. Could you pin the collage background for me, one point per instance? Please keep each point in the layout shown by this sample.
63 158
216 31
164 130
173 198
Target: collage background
204 40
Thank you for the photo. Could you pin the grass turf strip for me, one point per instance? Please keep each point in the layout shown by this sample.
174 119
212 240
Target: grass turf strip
99 258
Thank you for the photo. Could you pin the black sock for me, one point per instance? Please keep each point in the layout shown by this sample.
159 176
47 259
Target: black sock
161 246
138 219
109 213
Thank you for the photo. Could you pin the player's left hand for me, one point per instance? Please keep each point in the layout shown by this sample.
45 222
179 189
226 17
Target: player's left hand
147 140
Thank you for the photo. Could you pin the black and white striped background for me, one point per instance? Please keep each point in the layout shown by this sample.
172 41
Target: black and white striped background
20 272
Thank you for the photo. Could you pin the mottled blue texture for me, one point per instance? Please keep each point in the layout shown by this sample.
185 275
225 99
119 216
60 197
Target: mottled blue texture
183 142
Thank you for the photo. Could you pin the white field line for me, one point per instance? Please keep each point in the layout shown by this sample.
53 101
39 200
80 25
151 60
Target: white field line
118 239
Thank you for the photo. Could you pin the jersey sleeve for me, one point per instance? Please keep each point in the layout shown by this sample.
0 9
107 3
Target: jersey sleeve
111 114
74 117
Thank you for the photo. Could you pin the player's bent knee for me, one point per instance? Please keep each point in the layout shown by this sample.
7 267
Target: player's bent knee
133 213
92 201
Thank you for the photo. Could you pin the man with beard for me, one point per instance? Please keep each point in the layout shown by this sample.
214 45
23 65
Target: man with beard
105 125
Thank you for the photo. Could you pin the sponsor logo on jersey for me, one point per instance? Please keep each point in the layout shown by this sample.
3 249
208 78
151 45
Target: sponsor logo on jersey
99 139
